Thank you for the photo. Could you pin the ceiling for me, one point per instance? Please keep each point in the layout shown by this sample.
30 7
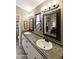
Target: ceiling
28 5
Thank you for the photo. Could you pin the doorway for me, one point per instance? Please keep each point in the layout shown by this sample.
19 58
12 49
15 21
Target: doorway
18 29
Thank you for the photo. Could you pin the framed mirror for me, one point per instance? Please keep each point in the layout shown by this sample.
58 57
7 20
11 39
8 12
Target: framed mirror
31 24
25 24
51 24
38 21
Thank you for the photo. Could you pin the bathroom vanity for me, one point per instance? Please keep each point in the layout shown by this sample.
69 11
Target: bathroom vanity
29 49
33 51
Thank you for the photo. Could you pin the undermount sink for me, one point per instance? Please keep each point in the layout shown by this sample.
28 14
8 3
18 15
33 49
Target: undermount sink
44 44
27 33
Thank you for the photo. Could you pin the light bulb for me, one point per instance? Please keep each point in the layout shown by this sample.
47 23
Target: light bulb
49 5
42 9
45 7
54 2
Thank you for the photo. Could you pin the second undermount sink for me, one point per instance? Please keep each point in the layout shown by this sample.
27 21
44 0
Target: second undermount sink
27 33
44 44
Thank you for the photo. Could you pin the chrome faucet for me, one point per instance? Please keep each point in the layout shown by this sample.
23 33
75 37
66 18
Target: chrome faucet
46 39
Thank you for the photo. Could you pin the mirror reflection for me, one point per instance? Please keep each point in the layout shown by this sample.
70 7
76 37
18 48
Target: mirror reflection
38 21
31 24
50 24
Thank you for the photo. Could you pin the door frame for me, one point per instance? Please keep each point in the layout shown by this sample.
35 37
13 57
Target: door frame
20 40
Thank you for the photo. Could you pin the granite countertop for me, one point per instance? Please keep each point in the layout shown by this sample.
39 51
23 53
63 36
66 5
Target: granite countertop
55 53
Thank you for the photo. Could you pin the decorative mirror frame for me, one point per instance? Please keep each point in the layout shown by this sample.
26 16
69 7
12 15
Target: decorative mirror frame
25 26
58 25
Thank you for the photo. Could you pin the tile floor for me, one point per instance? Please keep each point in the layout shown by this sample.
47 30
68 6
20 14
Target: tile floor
20 54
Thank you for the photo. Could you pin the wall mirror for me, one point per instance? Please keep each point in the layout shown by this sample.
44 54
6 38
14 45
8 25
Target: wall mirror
38 21
25 24
51 24
31 24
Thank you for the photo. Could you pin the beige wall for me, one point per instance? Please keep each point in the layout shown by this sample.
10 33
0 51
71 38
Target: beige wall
38 9
23 14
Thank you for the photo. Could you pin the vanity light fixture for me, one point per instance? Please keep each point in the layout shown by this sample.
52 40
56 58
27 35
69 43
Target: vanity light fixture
52 5
45 8
49 6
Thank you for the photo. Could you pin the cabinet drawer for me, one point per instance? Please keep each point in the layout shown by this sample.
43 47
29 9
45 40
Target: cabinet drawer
26 48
